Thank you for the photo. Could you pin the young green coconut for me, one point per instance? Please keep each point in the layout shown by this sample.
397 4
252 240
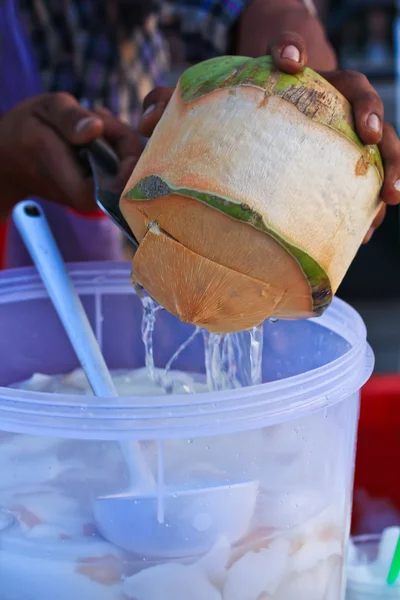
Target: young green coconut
252 197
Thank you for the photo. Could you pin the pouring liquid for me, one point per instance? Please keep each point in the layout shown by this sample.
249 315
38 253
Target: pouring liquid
231 360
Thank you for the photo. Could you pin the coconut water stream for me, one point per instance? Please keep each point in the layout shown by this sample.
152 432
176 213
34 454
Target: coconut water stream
231 361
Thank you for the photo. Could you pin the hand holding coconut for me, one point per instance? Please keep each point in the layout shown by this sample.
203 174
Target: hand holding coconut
290 55
254 194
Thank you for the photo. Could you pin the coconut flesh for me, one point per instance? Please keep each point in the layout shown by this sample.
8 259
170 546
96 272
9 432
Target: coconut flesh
252 197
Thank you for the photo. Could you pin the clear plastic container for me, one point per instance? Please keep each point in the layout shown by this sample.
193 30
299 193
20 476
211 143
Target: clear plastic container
295 435
366 550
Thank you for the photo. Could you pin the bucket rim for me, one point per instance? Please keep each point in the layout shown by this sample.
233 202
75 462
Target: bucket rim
174 416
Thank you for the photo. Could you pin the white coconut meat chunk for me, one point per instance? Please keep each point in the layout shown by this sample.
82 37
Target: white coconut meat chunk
258 574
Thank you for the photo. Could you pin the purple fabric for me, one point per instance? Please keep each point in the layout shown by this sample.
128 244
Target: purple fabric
19 77
79 238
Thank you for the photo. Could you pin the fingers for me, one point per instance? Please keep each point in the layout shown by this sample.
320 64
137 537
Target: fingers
59 175
289 52
160 95
290 55
154 106
376 223
367 106
390 193
71 123
390 151
66 116
127 167
59 119
126 142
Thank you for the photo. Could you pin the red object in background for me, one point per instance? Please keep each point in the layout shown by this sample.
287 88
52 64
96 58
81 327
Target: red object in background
377 478
3 238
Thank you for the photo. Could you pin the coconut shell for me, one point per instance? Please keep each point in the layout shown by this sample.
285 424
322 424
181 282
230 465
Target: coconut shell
252 196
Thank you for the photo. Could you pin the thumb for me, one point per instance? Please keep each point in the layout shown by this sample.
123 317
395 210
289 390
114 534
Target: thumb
154 106
289 52
65 115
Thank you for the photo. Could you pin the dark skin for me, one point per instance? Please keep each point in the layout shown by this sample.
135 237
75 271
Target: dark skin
39 159
304 42
39 140
262 19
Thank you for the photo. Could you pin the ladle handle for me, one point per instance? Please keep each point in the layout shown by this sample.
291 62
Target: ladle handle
34 229
38 238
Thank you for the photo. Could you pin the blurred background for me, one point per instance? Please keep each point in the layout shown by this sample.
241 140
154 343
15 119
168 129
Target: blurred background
364 35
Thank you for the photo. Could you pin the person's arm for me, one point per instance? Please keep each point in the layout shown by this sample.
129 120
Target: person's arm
37 156
262 21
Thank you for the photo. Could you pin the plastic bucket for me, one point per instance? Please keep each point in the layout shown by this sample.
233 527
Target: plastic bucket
294 436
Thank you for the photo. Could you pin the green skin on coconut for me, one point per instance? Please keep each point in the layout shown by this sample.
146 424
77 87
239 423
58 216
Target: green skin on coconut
305 91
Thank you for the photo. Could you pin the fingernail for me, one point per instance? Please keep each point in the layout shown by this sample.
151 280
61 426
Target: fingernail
397 185
85 124
291 53
374 122
369 235
149 110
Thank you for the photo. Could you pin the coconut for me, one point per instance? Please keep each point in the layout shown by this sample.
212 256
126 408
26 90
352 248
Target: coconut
252 196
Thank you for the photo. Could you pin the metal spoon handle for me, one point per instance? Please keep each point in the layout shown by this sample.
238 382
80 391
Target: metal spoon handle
104 156
103 164
41 245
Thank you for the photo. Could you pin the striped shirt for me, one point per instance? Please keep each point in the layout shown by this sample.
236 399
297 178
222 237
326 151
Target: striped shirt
109 54
85 47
